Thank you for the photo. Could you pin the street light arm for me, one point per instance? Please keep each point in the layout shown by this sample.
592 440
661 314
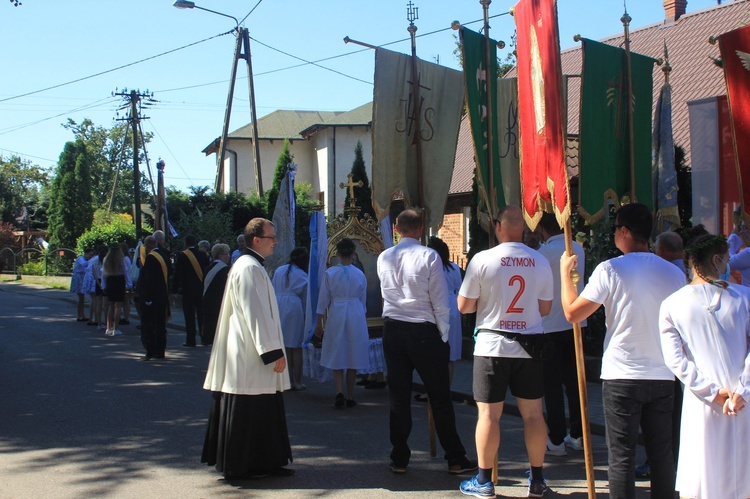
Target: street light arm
183 4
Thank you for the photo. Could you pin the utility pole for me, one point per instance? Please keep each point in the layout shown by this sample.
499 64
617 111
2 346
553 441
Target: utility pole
136 101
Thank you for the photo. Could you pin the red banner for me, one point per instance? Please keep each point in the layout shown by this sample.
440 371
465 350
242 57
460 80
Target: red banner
735 53
540 109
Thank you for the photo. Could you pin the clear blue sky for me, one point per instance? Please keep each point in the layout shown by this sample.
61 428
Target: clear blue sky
47 43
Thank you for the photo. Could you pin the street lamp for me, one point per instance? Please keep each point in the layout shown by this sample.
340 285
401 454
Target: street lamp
243 40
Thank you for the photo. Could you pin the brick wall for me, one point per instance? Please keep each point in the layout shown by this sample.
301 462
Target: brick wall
452 232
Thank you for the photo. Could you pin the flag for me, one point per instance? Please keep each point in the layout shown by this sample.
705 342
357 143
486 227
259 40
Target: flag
509 143
481 82
283 221
315 271
735 53
663 172
386 232
396 117
544 179
604 139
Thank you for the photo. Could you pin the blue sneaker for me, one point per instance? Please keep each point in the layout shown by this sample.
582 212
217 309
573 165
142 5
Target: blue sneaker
537 488
476 489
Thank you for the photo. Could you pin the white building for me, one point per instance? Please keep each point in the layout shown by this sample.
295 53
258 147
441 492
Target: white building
322 144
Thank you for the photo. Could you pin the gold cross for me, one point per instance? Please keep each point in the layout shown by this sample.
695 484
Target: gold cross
351 185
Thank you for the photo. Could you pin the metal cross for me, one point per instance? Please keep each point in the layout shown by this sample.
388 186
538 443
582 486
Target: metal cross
351 185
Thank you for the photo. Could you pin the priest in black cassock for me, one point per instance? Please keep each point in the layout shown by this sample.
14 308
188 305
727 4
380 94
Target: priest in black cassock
247 435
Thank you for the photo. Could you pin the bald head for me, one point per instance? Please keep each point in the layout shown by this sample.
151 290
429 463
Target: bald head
669 246
159 236
409 223
510 225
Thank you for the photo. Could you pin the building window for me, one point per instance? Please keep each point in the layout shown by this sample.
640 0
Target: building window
467 217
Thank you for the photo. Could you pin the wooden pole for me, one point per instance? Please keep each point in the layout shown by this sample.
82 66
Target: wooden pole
227 116
490 78
581 370
245 35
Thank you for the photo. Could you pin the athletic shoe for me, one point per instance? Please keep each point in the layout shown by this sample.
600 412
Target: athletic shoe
537 488
399 470
461 465
473 488
110 332
351 403
101 327
574 443
116 332
556 450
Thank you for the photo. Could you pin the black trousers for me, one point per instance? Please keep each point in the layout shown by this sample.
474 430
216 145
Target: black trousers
560 379
154 329
408 346
192 306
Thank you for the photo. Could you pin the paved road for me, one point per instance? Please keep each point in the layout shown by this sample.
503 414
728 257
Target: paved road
80 416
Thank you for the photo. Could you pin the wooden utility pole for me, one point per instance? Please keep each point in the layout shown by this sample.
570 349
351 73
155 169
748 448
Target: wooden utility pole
135 100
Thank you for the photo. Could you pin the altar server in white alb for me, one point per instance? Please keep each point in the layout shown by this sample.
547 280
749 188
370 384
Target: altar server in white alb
343 293
290 284
510 288
705 337
247 435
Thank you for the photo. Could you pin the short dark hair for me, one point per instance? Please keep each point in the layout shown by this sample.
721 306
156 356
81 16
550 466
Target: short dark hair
345 247
190 240
637 218
254 228
409 220
549 224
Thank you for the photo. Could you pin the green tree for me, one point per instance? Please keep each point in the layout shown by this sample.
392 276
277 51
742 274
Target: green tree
111 163
70 211
363 194
21 200
285 158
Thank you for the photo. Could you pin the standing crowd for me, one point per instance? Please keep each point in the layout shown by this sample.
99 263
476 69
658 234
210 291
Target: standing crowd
676 348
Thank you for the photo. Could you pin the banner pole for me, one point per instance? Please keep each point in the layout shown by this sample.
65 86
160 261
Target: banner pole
631 131
581 371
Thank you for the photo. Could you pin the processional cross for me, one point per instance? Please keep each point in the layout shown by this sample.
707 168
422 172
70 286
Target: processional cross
351 185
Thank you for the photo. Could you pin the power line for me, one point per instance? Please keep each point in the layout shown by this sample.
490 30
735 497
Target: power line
113 69
251 11
32 123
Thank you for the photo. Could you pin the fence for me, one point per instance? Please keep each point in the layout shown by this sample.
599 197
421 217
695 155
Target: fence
33 261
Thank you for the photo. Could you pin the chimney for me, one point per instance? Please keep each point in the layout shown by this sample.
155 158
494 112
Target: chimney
674 9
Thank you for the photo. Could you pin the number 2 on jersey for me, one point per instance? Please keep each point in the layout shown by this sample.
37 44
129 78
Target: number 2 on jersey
512 309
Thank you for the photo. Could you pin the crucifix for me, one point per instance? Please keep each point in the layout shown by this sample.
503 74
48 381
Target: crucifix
351 185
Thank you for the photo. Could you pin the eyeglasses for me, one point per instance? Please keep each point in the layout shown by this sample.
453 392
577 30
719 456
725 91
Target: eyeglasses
618 226
268 237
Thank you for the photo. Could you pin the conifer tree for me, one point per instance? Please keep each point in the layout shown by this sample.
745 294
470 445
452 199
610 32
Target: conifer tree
272 194
363 194
71 211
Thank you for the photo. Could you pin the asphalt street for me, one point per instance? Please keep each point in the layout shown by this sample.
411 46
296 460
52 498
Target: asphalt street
81 416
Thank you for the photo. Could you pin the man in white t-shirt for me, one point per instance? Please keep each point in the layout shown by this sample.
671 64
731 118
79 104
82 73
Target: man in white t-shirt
560 370
637 385
510 288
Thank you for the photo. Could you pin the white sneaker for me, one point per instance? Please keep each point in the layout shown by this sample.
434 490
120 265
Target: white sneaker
556 450
110 332
101 327
116 332
574 443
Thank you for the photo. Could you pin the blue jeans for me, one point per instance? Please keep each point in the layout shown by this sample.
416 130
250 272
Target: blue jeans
628 404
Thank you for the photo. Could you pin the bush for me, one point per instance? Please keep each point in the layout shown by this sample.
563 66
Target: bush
108 229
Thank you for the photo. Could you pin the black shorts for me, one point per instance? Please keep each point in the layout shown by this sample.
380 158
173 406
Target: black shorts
493 376
115 288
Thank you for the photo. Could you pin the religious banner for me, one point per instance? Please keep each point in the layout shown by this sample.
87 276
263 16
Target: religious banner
399 123
283 221
315 271
508 144
735 54
544 180
604 154
663 172
480 86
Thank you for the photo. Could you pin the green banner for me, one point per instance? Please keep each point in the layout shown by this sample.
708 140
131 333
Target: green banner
604 154
481 100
